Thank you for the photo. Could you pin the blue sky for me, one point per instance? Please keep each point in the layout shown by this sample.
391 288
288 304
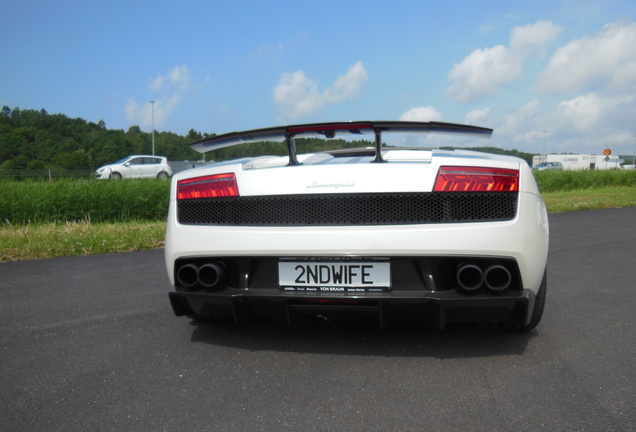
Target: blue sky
566 67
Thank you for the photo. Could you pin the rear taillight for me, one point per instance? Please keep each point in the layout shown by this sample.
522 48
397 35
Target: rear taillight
476 179
219 185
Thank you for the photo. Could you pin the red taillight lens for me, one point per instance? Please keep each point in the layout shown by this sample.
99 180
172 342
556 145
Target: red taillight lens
476 179
219 185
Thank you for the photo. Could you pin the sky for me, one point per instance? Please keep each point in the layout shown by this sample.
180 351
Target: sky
547 75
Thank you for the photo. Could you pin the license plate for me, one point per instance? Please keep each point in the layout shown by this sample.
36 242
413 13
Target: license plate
334 276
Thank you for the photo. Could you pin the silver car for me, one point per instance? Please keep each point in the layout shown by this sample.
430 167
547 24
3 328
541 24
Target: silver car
136 166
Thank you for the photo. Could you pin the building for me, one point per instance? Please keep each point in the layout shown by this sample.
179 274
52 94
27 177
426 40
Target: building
581 161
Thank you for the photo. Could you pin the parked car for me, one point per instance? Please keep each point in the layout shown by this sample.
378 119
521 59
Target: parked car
548 166
137 166
394 234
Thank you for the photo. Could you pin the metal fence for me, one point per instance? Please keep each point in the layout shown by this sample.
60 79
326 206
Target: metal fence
46 174
51 174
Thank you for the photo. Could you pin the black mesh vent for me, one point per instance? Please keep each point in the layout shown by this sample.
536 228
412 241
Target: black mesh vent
350 209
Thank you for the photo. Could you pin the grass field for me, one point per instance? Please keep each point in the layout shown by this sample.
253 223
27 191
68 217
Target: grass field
81 217
71 200
77 238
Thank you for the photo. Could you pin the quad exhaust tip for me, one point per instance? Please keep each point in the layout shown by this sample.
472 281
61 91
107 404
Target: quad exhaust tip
188 275
497 277
207 275
211 274
471 277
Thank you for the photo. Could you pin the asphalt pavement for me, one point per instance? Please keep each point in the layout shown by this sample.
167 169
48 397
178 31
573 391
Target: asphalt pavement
90 344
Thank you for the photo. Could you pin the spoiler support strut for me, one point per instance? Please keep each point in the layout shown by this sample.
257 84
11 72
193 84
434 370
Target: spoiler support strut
291 149
378 146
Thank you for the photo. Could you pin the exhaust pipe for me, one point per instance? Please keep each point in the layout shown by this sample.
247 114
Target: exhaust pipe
497 277
469 276
211 274
188 275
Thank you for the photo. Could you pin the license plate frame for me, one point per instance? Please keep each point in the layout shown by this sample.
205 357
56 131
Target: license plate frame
334 275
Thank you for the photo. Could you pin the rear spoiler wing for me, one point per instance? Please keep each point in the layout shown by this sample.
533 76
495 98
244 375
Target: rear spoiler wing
330 130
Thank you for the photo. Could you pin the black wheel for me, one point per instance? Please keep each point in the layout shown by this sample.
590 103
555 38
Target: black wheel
162 175
115 176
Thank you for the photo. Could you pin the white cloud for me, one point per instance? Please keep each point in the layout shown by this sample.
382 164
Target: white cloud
478 116
534 36
585 124
483 71
179 77
297 95
422 114
581 113
592 112
172 87
522 125
625 76
599 72
606 58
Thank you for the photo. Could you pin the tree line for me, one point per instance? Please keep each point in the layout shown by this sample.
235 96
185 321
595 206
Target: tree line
37 140
34 140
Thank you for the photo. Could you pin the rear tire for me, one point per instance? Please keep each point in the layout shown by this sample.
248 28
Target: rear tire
162 175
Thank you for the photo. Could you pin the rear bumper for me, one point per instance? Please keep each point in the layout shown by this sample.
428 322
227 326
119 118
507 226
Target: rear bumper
436 308
524 239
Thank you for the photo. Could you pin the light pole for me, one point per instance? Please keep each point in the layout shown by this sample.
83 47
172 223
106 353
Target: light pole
634 156
545 132
153 127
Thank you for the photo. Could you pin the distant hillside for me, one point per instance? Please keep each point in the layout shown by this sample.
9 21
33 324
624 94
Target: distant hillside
34 140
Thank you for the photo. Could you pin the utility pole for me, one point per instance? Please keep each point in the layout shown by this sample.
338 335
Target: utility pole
545 132
153 127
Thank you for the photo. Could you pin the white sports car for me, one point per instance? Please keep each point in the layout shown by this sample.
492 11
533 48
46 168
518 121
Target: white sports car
383 232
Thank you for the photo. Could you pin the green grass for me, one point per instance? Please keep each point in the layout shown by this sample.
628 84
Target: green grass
587 190
74 200
561 181
50 240
42 219
590 199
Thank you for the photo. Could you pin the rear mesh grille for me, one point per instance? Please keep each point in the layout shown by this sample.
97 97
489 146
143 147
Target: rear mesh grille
350 209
